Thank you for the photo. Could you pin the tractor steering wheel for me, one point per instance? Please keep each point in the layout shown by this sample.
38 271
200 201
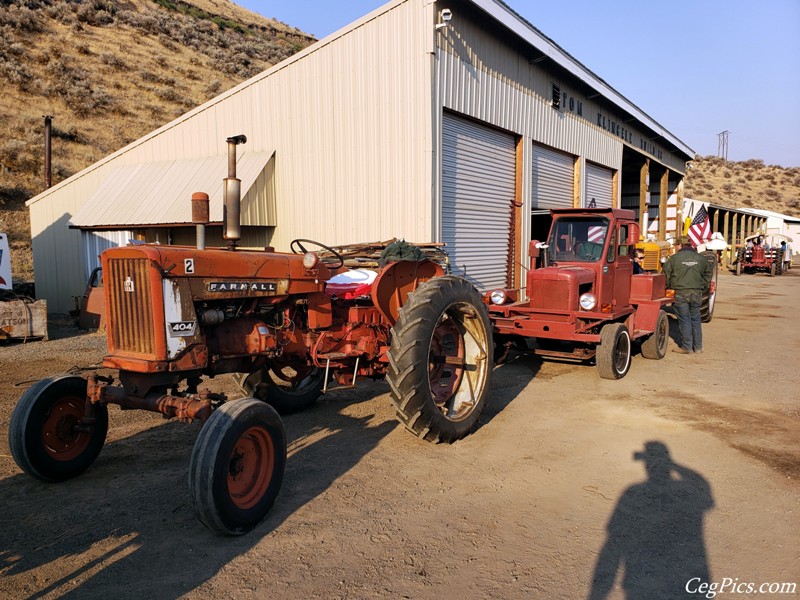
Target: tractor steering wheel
297 247
585 250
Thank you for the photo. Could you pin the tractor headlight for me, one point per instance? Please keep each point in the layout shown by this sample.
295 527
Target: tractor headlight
588 301
310 260
498 297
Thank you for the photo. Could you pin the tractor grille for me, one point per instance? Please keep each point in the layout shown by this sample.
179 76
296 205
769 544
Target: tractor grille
130 312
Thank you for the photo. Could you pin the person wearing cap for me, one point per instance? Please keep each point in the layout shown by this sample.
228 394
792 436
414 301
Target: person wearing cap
689 274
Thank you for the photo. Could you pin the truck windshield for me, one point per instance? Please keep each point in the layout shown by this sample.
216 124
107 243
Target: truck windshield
578 239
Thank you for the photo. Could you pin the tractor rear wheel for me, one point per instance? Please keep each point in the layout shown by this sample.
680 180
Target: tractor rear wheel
738 268
47 435
709 297
772 270
614 352
655 346
237 466
441 360
288 389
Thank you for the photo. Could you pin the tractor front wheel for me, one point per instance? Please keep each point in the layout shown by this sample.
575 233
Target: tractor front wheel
614 352
49 435
441 360
288 389
237 466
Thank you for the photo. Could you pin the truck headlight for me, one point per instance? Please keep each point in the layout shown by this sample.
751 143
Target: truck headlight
498 297
588 301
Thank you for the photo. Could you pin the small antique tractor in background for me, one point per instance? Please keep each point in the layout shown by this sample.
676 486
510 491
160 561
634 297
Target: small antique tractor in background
758 256
177 314
583 300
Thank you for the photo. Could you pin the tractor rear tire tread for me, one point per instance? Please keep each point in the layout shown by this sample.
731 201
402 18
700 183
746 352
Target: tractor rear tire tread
408 374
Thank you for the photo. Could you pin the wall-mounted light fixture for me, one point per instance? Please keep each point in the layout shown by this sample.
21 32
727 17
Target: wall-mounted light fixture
444 16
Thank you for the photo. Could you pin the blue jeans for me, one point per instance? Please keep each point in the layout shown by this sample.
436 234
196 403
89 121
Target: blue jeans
687 308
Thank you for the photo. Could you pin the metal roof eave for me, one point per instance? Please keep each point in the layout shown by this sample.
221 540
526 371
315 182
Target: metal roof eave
151 194
506 16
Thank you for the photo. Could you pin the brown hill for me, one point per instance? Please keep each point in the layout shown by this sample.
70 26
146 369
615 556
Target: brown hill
110 71
744 184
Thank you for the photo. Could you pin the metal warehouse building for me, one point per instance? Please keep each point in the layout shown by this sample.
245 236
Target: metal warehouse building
456 122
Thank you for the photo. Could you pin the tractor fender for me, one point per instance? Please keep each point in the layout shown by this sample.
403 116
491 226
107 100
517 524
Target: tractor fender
396 281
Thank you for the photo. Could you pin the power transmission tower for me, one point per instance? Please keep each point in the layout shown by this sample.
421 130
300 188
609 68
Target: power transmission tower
722 144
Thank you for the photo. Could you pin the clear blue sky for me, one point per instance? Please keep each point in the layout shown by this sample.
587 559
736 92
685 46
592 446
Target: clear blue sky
698 67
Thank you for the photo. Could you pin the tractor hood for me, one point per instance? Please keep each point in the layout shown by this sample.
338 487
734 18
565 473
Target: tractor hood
559 287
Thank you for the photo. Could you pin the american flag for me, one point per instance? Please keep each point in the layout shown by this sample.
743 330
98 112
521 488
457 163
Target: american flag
595 233
700 229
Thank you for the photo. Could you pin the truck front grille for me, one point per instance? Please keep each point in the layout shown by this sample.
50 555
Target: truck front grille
552 295
130 311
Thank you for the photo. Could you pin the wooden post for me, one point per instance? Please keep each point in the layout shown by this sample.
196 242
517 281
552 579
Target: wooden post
726 221
679 213
662 206
518 216
616 201
644 181
715 224
576 183
734 231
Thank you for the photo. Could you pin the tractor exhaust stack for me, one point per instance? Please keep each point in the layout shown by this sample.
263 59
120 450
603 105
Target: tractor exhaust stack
231 210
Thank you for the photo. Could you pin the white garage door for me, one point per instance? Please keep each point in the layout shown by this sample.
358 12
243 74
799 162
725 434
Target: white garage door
553 179
599 186
478 188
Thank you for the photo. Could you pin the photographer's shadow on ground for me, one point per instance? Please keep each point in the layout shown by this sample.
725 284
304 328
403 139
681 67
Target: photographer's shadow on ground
655 535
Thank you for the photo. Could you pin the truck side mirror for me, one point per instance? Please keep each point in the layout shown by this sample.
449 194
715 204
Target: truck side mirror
633 234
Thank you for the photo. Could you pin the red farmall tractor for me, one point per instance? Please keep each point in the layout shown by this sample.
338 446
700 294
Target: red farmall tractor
759 256
177 315
584 302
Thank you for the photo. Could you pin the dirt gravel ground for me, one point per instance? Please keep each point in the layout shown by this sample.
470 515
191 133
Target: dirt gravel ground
544 500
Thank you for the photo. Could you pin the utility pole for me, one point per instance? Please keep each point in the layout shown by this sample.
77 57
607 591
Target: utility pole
722 144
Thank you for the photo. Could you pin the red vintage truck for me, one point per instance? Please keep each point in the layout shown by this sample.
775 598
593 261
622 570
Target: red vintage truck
583 300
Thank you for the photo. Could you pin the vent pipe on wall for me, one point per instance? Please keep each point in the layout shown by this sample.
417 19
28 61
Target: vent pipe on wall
48 173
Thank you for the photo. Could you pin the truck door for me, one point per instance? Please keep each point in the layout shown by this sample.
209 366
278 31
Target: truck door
622 267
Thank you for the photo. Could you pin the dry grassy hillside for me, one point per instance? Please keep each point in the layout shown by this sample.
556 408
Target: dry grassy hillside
110 71
745 184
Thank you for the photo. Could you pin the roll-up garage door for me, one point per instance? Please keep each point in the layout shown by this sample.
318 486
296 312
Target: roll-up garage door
599 186
553 179
478 191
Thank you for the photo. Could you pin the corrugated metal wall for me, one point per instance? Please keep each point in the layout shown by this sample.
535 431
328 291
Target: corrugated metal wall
599 186
349 120
478 188
95 242
552 179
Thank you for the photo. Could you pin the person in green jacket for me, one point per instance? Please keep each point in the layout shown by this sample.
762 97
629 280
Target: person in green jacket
689 274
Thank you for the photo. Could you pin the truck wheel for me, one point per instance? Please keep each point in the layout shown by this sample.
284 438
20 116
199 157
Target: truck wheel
46 437
441 360
237 466
614 352
710 298
287 389
655 346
